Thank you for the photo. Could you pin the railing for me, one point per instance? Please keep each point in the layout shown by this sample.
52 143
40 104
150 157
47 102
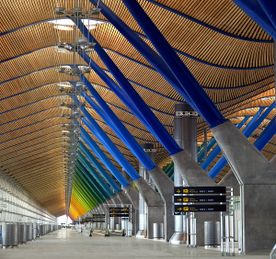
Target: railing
273 253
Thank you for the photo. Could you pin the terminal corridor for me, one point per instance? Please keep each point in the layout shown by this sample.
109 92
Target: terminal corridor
67 244
148 124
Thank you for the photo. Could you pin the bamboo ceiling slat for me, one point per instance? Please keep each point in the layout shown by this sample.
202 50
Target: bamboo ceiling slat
43 176
55 120
38 169
35 61
227 52
43 34
35 162
22 145
213 13
34 136
24 121
34 11
32 81
40 104
198 36
29 152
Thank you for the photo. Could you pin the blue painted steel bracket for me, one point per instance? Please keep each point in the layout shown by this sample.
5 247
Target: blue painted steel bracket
248 130
100 154
90 183
260 143
255 11
98 166
268 133
108 144
112 120
215 152
139 108
92 172
189 85
269 8
212 142
142 47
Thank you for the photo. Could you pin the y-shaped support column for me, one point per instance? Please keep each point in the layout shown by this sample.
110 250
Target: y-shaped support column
257 187
186 171
132 193
154 203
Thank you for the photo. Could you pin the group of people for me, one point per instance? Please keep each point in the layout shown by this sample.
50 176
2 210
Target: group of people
90 232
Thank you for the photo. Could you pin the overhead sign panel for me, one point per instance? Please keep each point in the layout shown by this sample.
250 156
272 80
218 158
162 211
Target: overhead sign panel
200 199
182 209
119 212
200 190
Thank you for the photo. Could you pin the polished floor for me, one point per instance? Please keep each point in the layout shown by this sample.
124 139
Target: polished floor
68 244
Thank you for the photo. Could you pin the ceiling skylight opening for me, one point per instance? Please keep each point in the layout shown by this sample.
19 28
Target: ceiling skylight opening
67 24
267 98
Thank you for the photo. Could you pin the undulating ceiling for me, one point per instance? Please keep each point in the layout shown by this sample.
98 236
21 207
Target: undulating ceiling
229 54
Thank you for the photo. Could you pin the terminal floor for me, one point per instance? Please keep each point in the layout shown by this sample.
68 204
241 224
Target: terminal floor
72 245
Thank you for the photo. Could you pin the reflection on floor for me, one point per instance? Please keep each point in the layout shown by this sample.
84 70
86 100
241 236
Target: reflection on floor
72 245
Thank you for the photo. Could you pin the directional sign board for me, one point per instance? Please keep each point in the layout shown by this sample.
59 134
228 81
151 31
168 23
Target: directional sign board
119 212
199 199
98 217
200 190
182 209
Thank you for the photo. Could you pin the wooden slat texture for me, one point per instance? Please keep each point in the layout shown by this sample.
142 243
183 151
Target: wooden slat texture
227 52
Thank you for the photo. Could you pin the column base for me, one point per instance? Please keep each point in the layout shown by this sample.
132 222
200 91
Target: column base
259 217
141 234
178 238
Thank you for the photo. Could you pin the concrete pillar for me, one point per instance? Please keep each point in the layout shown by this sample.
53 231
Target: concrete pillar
142 231
230 180
185 134
256 177
191 173
133 195
164 186
273 161
205 144
157 179
148 213
154 204
123 198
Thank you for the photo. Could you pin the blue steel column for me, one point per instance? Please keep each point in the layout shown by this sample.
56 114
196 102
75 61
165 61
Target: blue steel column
269 132
186 80
248 130
254 9
98 166
162 182
98 152
223 130
153 200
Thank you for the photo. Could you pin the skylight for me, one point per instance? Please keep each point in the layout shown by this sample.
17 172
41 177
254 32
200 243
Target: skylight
67 24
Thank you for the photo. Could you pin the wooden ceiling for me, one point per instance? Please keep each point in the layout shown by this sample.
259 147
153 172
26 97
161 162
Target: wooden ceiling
227 52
